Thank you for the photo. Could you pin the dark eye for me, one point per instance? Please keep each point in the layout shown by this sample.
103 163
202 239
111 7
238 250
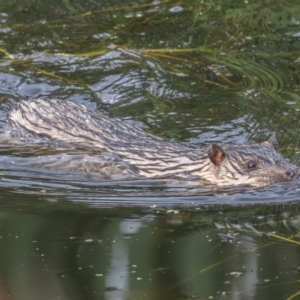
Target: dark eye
251 164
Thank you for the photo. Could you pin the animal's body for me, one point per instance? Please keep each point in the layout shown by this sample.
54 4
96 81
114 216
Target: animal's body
143 155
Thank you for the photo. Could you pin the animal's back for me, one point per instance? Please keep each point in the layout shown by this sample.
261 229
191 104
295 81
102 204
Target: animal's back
72 123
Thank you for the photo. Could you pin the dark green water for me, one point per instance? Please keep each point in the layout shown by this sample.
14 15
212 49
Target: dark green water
191 71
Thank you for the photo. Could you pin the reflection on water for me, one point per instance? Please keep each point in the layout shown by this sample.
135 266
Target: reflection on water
71 252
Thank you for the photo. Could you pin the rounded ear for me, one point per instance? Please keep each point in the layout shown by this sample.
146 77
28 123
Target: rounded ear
273 141
216 154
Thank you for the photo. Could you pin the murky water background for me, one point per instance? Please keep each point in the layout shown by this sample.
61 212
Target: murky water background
190 71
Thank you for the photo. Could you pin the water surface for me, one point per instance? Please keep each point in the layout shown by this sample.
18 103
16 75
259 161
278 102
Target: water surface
188 71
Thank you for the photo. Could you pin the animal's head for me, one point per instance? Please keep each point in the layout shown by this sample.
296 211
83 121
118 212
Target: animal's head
249 164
